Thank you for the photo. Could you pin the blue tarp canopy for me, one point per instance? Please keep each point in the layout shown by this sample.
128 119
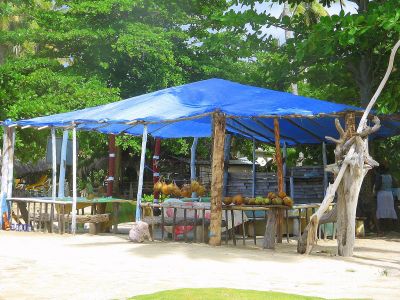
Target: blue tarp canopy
186 111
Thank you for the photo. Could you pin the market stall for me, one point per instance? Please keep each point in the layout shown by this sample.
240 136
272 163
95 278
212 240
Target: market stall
206 108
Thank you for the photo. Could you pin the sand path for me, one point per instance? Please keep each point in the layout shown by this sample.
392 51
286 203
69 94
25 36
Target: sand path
50 266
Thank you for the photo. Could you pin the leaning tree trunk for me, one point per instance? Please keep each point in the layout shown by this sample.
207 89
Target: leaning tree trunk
352 164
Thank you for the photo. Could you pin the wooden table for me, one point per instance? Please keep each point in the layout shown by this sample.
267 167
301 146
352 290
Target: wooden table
274 214
63 208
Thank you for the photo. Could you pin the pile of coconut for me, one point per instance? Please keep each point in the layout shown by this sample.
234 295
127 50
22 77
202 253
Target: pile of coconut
173 190
271 199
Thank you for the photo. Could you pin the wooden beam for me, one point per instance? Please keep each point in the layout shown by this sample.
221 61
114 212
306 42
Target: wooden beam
193 163
156 167
141 174
74 187
253 187
4 178
63 165
325 163
279 163
111 165
219 126
227 154
284 170
54 164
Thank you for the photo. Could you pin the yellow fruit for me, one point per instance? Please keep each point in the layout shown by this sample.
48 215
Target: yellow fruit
165 189
227 200
158 186
281 195
271 195
238 200
201 191
195 186
288 201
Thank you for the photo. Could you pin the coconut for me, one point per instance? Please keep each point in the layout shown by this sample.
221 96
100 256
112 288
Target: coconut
186 191
158 186
238 199
252 201
277 201
165 188
195 186
201 191
281 195
267 201
227 200
288 201
259 201
271 195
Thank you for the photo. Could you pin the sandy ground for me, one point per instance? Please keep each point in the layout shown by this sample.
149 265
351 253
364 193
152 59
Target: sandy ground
50 266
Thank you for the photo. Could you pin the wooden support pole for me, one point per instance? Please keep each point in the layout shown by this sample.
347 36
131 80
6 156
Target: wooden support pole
54 164
7 137
278 156
325 163
156 167
227 154
63 165
111 165
74 187
141 174
10 181
284 168
279 164
219 125
193 163
253 187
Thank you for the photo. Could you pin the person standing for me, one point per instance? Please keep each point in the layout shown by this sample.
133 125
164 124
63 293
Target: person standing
385 211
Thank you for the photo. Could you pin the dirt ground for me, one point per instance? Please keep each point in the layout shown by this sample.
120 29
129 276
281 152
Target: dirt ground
50 266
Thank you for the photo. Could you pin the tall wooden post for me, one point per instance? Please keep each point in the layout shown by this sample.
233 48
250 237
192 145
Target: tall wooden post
284 169
193 163
141 174
219 125
279 164
74 187
63 165
5 176
111 165
278 155
227 154
54 164
156 167
325 163
253 187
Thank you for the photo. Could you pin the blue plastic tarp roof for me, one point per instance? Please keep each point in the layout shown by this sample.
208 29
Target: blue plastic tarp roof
249 110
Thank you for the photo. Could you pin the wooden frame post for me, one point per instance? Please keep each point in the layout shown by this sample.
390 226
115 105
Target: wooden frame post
253 187
325 163
219 126
141 174
10 179
279 164
63 165
193 163
156 167
7 160
111 165
74 187
227 154
54 164
284 168
278 156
